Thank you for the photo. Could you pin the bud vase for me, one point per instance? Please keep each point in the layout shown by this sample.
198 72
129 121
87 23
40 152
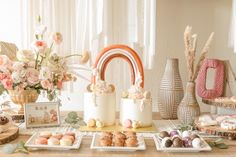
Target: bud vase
189 108
171 90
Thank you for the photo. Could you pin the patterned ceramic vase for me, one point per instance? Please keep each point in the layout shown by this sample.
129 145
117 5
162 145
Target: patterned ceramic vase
189 108
171 90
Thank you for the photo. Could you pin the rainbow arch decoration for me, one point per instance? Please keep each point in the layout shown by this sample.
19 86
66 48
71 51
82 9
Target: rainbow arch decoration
124 52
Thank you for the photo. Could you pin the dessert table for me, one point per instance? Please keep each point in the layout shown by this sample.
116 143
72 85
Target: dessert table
150 151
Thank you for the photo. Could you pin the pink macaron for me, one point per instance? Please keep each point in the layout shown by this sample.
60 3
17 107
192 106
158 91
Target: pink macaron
127 123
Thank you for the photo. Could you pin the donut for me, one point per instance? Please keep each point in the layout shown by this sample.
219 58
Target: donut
119 135
41 141
53 141
129 134
65 142
106 134
119 142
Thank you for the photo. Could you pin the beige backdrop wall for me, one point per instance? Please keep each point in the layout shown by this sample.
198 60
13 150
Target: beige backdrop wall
204 16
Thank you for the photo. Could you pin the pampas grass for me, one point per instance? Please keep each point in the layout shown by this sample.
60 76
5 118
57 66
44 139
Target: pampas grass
190 43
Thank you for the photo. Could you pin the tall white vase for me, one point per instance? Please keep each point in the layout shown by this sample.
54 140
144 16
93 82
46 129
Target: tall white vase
171 90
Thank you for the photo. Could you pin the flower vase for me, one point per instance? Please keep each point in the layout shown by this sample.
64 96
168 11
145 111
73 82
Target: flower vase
23 97
189 108
171 90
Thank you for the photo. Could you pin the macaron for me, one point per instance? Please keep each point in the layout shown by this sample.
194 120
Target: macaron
99 124
57 135
45 134
135 124
65 142
164 134
70 134
69 137
53 141
41 141
186 133
91 123
127 123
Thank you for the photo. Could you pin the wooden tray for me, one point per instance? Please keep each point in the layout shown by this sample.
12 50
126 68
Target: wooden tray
118 127
11 134
229 105
215 130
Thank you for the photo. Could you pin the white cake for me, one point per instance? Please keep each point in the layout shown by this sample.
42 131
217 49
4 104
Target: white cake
100 105
136 107
132 109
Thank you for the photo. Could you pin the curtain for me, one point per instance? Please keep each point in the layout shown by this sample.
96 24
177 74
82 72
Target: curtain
92 25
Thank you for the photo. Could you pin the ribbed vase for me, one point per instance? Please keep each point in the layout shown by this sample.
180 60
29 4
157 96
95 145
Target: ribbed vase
171 90
189 108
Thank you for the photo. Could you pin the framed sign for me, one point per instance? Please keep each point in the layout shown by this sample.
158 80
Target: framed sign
42 114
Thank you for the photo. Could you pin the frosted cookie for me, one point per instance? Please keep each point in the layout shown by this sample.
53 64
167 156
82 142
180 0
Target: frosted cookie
41 141
53 141
229 124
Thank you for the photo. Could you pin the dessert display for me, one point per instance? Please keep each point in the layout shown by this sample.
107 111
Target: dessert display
119 139
222 125
47 140
177 141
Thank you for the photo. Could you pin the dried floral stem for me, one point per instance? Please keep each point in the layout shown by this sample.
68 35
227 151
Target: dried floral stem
203 55
190 42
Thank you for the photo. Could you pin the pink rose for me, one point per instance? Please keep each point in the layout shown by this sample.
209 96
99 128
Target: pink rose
7 83
59 85
2 76
32 76
5 62
57 38
46 84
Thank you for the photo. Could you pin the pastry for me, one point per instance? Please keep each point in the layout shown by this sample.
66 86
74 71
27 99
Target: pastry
196 143
53 141
41 141
136 124
166 142
45 134
164 134
119 135
5 123
131 142
119 142
106 134
69 137
129 134
105 142
57 135
66 142
177 142
91 123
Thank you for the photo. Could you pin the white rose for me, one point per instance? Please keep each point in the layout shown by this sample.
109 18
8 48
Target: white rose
25 55
45 73
18 66
16 77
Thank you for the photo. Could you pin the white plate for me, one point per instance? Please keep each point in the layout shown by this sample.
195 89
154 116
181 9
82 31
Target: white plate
95 145
30 143
157 140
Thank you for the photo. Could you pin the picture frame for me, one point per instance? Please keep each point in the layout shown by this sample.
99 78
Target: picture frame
42 114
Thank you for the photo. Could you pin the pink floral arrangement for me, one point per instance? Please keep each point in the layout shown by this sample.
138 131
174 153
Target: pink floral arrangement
39 68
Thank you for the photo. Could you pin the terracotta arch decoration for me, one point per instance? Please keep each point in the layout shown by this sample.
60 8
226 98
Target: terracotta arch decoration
119 51
218 88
